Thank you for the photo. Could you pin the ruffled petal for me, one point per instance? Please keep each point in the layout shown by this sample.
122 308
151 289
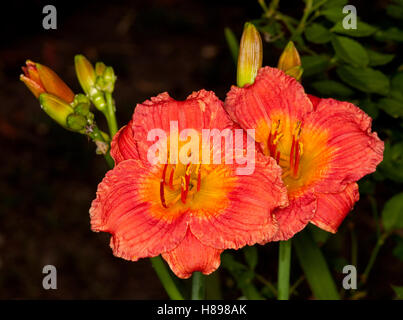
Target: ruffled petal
333 207
201 110
123 145
122 208
272 97
314 100
350 150
191 256
245 216
295 217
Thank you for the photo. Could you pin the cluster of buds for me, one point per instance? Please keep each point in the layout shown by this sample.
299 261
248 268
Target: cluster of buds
96 82
251 56
70 111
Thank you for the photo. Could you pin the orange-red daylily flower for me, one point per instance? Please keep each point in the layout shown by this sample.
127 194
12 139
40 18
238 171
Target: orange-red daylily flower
41 79
188 213
322 145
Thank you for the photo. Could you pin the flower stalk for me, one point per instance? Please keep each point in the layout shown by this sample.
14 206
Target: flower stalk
198 286
284 264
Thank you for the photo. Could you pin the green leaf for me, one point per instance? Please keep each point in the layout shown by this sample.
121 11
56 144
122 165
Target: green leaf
320 236
370 108
392 163
392 213
395 10
330 88
397 81
314 64
392 107
350 51
366 186
364 79
379 59
242 275
363 29
315 267
398 291
251 256
398 249
333 10
316 33
233 44
391 34
335 4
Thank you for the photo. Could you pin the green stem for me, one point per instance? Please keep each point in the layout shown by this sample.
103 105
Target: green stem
110 114
375 251
316 270
165 278
301 25
266 283
284 264
109 160
197 286
374 209
354 248
296 284
213 287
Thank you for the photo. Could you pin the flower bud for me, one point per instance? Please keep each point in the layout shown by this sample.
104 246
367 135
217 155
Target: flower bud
100 68
56 108
250 55
98 99
41 79
106 82
81 98
85 73
76 122
82 109
290 61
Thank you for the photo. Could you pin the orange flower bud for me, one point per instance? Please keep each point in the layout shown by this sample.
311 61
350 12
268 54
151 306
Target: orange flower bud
250 55
41 79
290 62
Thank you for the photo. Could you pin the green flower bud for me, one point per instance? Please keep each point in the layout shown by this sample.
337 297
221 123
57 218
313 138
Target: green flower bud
82 109
56 108
250 55
100 68
81 99
85 72
76 122
97 98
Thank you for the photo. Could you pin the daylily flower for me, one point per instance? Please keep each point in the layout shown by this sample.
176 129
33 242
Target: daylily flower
41 79
323 146
191 212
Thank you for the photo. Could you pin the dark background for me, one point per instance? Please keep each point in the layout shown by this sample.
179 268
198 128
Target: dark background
48 176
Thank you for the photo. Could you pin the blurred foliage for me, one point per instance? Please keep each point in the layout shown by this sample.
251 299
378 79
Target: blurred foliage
362 66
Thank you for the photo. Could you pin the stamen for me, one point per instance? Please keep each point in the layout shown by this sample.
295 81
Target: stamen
184 190
187 172
162 185
292 152
296 149
297 158
274 136
198 172
278 138
278 157
164 171
171 178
